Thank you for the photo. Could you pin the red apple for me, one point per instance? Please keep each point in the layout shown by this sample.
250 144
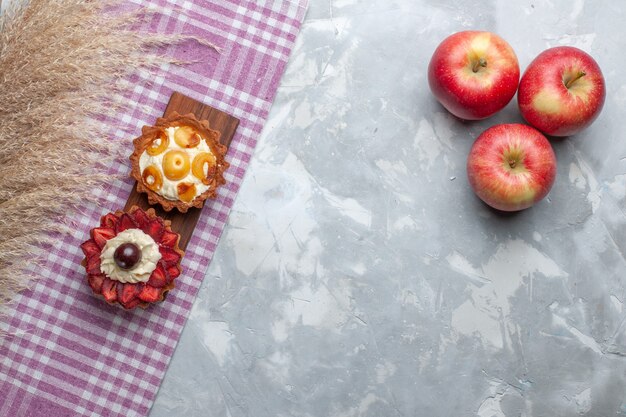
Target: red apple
473 74
511 166
562 91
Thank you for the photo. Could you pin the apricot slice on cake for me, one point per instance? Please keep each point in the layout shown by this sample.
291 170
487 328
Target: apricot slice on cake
151 176
176 165
159 144
186 137
203 166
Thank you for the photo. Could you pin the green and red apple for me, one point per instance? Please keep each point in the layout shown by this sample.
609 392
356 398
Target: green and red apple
473 74
511 166
562 91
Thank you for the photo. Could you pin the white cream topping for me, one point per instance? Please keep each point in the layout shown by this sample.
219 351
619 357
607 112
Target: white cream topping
169 189
141 272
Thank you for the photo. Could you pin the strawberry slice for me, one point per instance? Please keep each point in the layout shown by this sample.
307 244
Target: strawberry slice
109 220
127 292
93 265
101 234
158 278
141 218
95 282
155 229
109 289
132 303
150 294
90 248
169 239
126 222
169 256
173 271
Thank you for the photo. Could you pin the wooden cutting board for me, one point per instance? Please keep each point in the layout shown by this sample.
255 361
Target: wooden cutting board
185 223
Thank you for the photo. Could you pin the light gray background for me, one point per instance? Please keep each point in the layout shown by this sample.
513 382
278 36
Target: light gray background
360 276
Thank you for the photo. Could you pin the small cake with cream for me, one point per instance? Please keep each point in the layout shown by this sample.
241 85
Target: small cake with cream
179 162
132 258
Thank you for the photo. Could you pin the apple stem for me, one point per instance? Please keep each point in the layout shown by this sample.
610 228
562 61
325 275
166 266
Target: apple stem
480 63
568 83
512 163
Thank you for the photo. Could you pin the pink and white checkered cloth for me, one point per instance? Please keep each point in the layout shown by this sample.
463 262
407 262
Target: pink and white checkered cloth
74 355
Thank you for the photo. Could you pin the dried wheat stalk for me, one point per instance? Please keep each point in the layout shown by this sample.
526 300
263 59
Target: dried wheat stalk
63 64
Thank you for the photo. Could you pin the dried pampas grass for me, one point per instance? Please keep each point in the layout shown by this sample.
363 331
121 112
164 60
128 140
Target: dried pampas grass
63 64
